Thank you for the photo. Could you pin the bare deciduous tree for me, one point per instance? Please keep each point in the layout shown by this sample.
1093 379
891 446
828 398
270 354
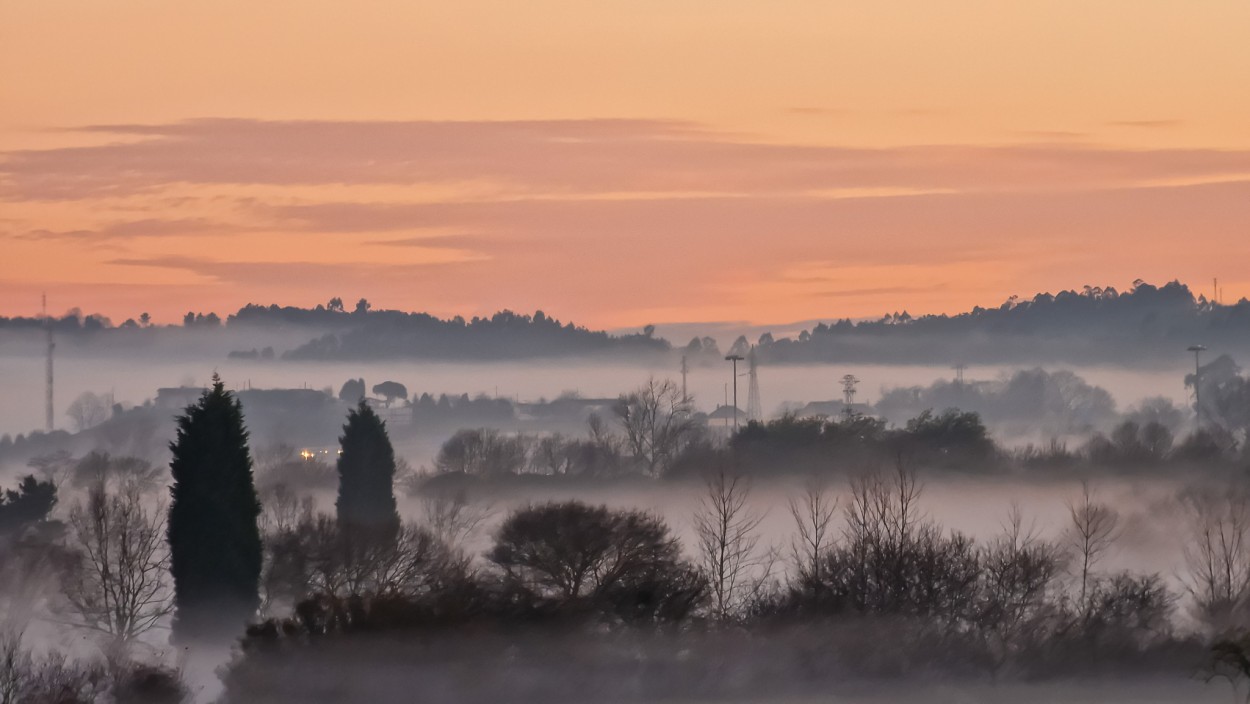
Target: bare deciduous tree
88 410
1091 533
452 518
728 537
656 420
118 585
554 455
1217 555
101 468
813 519
885 509
282 510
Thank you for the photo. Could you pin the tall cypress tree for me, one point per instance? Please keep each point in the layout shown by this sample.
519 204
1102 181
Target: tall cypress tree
366 502
214 540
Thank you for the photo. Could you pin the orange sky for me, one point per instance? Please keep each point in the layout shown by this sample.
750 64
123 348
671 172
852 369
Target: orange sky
618 163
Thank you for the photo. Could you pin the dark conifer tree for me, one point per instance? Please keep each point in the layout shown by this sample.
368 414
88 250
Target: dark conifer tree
214 541
366 502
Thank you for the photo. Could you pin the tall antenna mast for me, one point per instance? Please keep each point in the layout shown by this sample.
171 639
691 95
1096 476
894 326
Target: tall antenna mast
848 394
47 324
755 410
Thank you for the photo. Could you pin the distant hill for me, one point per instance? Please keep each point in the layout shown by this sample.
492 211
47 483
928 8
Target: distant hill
330 332
1144 325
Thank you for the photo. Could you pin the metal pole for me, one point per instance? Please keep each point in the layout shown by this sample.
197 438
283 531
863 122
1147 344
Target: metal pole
1197 350
735 358
47 324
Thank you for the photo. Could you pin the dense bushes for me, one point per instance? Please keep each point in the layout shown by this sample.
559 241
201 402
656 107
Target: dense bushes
883 592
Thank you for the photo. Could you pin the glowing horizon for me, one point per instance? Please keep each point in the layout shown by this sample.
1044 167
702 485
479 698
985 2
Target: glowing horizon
618 164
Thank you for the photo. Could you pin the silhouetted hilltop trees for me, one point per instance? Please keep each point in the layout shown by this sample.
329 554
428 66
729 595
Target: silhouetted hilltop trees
505 335
73 321
1091 325
335 332
1146 323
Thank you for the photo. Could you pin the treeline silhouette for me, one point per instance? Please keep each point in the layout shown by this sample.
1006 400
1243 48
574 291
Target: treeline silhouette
1145 323
1094 324
950 441
367 334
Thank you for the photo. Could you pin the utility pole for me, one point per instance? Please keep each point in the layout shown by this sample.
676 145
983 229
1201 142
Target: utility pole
685 399
959 373
755 406
47 324
735 358
1198 350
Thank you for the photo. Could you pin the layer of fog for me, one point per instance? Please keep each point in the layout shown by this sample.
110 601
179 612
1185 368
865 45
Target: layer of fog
132 380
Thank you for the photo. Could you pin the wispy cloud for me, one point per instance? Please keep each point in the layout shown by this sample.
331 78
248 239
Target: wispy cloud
580 157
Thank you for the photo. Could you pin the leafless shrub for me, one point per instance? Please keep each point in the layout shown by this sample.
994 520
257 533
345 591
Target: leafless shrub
282 509
1018 574
452 518
48 679
1217 556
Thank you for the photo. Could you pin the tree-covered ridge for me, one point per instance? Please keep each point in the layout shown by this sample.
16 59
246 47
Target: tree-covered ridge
383 334
335 332
1091 324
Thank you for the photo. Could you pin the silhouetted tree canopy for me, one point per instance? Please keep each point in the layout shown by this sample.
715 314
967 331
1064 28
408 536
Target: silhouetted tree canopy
366 466
391 390
214 541
570 552
31 502
353 391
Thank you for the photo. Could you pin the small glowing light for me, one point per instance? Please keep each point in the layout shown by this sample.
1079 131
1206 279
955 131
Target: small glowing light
306 454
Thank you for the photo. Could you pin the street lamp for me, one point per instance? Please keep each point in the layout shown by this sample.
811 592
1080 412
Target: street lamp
1198 350
735 358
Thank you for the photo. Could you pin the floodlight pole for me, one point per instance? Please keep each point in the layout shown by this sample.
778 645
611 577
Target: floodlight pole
1198 350
735 358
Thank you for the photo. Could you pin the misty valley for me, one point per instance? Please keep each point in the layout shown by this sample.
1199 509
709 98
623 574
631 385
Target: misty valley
629 520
